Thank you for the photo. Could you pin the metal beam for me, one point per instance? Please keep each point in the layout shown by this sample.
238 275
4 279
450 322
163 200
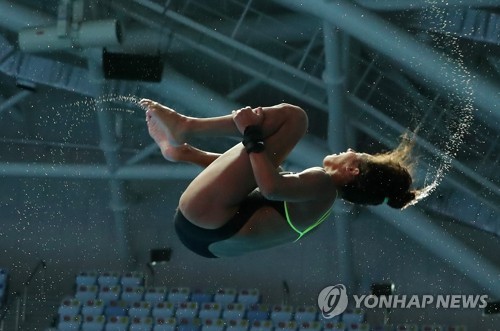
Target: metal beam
334 78
13 100
118 205
236 54
18 17
402 47
420 4
434 238
98 171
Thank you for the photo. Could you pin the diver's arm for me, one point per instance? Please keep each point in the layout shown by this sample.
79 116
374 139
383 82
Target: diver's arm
312 183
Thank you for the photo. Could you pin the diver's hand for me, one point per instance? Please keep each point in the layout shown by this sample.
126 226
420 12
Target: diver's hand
246 117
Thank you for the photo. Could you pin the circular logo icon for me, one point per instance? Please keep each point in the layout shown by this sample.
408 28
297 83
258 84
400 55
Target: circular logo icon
332 300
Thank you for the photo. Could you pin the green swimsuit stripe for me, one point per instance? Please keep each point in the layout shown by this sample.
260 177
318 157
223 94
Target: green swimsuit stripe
302 233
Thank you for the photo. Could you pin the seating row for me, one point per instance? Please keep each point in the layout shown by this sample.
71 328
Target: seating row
129 292
214 310
133 278
124 323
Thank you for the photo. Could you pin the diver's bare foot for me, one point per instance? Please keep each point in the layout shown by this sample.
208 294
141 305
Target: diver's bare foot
157 132
167 120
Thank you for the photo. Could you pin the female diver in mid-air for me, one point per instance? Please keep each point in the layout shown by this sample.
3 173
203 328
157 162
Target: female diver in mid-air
241 202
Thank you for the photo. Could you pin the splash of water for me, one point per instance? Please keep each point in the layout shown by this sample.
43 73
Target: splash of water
114 103
105 102
461 115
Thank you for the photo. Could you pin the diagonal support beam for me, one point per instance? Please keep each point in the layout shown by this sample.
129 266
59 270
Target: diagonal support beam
13 100
420 4
403 48
470 263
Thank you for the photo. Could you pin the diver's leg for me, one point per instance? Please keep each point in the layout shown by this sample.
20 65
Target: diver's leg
179 128
214 196
174 152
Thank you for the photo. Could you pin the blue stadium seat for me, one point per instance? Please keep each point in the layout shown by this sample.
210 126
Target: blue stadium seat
210 324
266 325
93 323
69 307
178 294
93 307
358 327
210 310
140 309
132 279
116 308
281 313
108 279
225 295
165 324
141 324
310 326
163 310
305 314
258 312
285 325
117 323
155 294
186 324
86 278
86 292
248 296
132 294
69 323
234 311
334 326
201 296
186 310
109 293
237 325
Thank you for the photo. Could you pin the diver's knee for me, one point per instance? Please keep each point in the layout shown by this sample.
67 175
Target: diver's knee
186 204
297 118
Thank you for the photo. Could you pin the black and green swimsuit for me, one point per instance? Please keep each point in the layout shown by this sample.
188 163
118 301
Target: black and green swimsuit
198 239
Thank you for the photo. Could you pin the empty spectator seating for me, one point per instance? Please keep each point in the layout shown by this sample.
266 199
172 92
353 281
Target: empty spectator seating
122 302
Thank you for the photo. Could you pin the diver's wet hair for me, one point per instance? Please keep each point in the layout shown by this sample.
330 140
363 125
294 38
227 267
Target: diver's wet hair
384 178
